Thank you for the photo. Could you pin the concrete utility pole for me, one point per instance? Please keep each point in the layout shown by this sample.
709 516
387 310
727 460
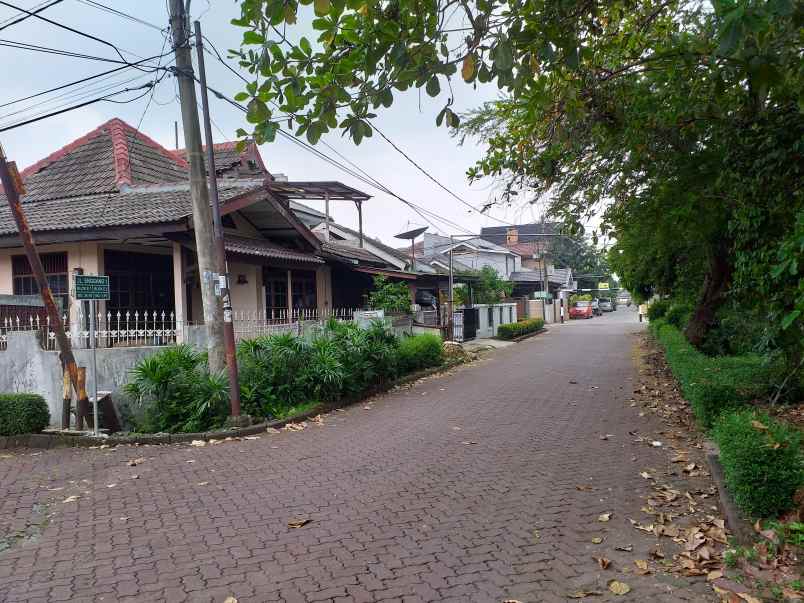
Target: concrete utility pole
202 216
12 187
220 245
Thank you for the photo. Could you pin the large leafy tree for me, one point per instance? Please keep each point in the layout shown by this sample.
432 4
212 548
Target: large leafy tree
680 121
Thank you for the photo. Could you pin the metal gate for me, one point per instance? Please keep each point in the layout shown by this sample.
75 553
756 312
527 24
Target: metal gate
471 319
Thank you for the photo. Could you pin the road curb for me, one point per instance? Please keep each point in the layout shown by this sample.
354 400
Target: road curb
78 440
740 527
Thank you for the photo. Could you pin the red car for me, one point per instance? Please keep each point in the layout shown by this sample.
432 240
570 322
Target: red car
582 309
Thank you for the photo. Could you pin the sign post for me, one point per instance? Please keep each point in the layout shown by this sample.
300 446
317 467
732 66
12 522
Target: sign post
92 288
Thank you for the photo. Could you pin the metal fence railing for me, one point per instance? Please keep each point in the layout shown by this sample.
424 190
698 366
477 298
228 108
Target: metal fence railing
160 327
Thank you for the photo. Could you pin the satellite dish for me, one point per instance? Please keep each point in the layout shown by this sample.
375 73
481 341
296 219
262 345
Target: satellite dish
411 233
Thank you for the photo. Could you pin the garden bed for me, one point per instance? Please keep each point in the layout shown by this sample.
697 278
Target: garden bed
63 439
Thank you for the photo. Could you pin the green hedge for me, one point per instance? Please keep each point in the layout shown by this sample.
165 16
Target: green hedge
22 413
658 308
712 385
517 329
420 351
678 315
762 461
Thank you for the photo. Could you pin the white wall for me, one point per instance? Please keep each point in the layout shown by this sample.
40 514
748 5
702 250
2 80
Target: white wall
488 328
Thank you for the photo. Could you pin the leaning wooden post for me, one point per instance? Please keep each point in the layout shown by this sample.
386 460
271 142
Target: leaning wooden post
13 187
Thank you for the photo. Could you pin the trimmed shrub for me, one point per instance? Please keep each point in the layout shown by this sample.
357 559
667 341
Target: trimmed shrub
22 413
678 315
762 461
517 329
712 385
420 351
658 308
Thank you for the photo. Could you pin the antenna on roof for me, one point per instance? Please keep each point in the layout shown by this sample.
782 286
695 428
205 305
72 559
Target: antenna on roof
411 232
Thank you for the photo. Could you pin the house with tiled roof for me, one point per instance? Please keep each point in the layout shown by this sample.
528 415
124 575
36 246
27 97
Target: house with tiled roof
116 202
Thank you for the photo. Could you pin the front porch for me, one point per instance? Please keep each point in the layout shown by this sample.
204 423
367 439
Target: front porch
155 291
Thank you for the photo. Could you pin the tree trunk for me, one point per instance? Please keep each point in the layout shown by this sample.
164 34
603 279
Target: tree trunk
716 285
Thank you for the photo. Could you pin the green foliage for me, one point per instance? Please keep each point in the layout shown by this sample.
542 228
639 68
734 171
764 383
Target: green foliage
490 289
576 297
420 351
762 461
658 308
738 330
22 413
388 296
712 385
281 372
177 392
681 122
677 314
517 329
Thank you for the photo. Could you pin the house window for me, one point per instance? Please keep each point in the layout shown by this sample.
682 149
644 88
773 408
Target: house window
303 290
55 266
276 291
139 282
491 318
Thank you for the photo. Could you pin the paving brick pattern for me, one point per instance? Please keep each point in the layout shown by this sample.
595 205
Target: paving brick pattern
460 488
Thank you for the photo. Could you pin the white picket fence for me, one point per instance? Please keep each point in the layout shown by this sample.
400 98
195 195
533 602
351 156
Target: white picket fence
159 328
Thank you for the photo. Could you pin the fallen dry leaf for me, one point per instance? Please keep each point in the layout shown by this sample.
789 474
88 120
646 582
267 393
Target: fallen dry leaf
628 548
605 516
271 430
70 499
251 438
298 523
646 475
202 484
584 488
295 426
597 540
759 426
582 594
619 588
198 443
603 562
714 575
135 462
641 564
230 599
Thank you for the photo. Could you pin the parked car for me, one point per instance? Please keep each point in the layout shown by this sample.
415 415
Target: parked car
596 307
426 299
606 305
582 309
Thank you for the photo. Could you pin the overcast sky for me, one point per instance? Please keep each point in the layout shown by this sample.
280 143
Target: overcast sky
410 122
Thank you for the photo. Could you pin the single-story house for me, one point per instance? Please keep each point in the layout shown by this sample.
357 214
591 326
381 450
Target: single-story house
116 202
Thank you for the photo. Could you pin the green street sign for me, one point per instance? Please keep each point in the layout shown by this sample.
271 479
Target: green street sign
91 287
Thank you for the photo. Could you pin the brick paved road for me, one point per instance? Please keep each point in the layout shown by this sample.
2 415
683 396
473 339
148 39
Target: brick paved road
462 488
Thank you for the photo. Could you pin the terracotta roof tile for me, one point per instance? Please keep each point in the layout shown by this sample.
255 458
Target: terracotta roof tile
106 160
263 248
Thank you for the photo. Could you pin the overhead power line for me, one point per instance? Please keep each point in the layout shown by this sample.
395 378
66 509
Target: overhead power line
120 13
35 10
77 82
106 98
360 174
430 176
70 29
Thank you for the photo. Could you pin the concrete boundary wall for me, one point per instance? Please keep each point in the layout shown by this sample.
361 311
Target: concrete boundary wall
26 367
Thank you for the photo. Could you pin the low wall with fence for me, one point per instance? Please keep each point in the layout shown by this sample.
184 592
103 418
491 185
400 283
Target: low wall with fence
29 359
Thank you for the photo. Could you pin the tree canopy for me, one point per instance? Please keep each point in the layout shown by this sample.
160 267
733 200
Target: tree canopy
680 122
